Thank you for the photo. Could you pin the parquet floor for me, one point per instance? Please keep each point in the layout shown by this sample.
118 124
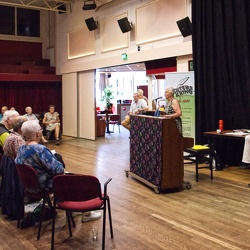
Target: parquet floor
214 214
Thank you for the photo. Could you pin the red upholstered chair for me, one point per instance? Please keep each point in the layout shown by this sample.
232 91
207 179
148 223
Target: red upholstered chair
80 193
29 178
114 119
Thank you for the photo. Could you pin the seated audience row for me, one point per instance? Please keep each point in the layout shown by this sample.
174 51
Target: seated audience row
51 120
28 152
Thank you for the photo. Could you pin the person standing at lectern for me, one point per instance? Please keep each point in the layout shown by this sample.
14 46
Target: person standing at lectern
173 108
137 106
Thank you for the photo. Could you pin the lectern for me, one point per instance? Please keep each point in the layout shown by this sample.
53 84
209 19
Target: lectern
156 152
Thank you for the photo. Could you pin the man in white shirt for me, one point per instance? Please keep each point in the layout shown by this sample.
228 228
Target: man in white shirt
136 107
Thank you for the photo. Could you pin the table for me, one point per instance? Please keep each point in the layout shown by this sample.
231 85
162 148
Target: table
228 145
106 116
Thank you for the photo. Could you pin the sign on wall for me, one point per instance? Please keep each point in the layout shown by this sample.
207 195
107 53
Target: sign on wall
183 83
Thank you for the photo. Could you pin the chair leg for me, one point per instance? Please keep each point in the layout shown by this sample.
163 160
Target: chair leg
104 226
110 219
41 219
72 219
211 166
196 170
53 228
69 224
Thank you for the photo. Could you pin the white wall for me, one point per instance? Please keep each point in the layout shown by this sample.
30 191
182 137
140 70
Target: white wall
172 45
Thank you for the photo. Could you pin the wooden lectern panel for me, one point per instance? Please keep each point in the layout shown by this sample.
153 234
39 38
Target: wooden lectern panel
156 153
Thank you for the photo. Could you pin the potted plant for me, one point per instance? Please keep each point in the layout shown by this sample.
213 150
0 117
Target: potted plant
107 96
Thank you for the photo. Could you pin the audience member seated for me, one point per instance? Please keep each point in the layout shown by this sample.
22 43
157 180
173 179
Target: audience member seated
141 96
137 106
246 153
11 189
38 156
31 116
15 138
42 160
52 122
4 108
6 126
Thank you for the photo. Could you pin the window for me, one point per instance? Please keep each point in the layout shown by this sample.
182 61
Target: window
27 22
7 17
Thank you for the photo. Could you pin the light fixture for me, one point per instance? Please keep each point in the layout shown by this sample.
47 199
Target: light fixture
125 25
91 23
89 5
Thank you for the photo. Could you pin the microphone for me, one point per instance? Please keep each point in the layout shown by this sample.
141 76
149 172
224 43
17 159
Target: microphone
158 98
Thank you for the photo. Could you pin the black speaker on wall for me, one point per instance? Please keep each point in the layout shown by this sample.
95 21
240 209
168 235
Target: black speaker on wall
91 23
125 25
185 26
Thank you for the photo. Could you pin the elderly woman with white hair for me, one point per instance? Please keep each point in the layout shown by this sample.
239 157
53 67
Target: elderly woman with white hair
37 155
173 108
6 126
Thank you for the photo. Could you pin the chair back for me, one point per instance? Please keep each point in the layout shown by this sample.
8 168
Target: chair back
75 187
11 189
114 118
29 178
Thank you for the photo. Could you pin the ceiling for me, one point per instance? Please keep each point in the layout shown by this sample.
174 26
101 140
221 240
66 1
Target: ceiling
52 5
124 68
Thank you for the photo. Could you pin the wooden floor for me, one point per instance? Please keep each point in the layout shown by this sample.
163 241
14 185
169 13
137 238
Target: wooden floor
214 214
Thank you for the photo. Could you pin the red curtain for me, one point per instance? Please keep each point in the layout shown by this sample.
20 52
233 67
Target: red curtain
38 95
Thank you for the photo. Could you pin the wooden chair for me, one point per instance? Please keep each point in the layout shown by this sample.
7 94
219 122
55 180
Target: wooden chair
29 178
80 193
114 119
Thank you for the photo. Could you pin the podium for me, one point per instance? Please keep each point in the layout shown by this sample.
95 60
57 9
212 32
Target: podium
156 152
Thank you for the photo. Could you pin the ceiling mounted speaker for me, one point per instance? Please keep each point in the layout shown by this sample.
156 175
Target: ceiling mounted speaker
125 25
89 5
185 26
91 24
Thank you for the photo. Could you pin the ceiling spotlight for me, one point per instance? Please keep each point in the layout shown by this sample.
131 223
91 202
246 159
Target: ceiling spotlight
125 25
89 5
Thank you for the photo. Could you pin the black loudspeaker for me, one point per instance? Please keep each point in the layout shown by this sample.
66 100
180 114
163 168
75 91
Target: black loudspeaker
61 7
185 26
91 23
125 25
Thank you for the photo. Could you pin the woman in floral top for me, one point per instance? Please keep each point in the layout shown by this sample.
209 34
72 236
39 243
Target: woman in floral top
173 108
38 156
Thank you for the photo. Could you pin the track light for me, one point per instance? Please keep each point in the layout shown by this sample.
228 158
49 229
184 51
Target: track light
89 5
